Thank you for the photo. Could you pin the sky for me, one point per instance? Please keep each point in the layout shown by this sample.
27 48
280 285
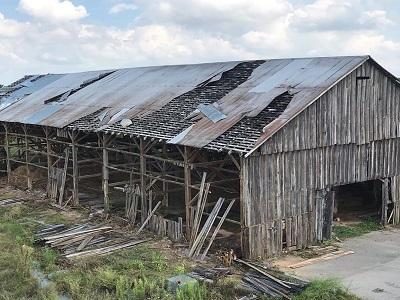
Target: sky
58 36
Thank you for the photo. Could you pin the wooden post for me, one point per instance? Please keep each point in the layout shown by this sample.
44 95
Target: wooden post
328 214
188 191
7 152
143 181
385 201
28 173
75 169
164 184
106 176
49 158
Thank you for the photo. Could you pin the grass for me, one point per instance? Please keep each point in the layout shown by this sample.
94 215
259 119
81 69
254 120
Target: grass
358 229
139 273
327 289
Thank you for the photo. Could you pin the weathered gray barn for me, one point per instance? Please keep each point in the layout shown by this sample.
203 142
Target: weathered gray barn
285 138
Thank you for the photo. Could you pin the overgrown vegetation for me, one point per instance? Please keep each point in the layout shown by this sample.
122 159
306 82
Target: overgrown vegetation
139 273
357 229
328 289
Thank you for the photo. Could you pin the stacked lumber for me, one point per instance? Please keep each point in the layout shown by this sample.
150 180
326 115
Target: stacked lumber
83 240
10 202
259 280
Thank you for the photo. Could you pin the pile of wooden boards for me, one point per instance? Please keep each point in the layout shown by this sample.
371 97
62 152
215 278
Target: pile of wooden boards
84 240
10 202
260 281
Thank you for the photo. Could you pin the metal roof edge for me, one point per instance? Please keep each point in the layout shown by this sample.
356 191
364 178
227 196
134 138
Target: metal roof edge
366 58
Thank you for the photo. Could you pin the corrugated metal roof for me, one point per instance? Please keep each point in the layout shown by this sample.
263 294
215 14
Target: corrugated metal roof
159 100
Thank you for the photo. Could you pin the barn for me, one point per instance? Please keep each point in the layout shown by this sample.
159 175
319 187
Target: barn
283 146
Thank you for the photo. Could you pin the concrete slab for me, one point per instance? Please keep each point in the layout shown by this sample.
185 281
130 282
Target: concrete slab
372 272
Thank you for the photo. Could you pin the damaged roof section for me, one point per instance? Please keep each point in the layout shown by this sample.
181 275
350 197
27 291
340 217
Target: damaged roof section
229 106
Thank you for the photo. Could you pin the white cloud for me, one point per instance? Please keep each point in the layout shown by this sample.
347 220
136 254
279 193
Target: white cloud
10 28
344 15
183 31
121 7
53 10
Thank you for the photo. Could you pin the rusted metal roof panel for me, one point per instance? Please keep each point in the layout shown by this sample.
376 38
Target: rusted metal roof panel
305 78
144 90
34 103
26 87
241 103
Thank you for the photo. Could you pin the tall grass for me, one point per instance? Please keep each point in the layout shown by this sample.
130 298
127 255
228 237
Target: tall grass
328 289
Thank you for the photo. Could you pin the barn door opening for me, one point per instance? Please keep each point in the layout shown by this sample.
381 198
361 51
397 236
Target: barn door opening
357 201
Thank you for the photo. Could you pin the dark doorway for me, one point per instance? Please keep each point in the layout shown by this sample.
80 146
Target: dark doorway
355 202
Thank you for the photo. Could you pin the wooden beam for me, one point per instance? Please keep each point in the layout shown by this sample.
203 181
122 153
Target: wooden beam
28 172
105 174
75 169
7 148
143 181
188 191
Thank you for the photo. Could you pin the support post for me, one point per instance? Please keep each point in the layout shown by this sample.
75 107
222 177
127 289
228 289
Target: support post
75 169
49 158
28 173
143 181
385 201
188 191
164 184
106 175
7 146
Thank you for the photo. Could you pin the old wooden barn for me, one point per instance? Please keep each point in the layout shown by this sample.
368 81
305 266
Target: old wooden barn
288 144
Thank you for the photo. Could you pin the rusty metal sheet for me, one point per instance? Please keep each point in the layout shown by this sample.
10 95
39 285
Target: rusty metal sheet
27 87
307 78
130 91
34 102
137 92
143 90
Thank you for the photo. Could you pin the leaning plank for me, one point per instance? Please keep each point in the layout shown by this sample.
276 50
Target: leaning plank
214 235
198 214
64 177
325 257
198 243
148 218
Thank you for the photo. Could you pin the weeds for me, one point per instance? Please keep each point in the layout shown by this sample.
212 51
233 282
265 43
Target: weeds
354 230
192 292
328 289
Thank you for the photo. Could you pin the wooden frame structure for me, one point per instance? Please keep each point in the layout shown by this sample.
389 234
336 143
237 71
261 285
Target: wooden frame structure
106 158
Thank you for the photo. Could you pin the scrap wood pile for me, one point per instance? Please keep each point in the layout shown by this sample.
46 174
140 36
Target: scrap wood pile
209 275
10 202
261 281
84 240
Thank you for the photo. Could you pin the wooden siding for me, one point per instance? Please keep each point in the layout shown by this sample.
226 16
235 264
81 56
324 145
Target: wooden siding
354 111
349 135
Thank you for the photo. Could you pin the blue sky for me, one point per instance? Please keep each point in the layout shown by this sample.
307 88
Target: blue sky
56 36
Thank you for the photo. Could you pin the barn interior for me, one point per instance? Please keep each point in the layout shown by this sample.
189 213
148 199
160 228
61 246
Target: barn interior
130 177
358 201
